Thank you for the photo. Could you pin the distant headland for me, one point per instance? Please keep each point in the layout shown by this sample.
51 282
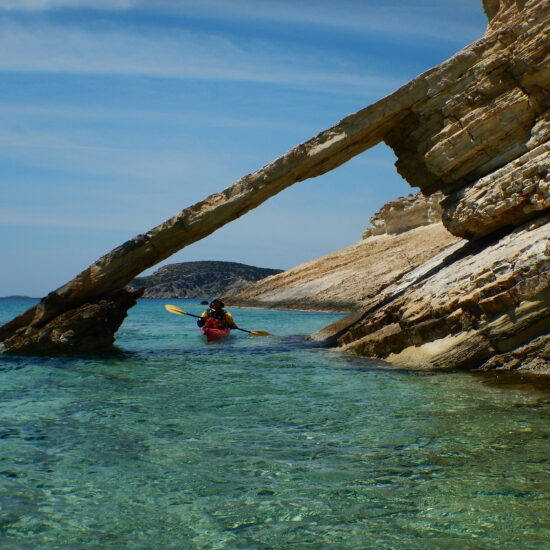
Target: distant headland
202 279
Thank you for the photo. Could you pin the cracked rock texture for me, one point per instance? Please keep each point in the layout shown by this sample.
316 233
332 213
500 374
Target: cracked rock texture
474 301
404 214
480 136
89 328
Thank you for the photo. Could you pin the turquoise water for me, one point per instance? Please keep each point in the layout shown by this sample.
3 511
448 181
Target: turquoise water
263 443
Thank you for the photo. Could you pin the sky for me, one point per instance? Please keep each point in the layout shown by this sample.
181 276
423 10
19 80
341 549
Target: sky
117 114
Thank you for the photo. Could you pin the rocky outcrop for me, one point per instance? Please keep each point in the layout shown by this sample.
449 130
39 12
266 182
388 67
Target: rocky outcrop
482 138
483 108
89 328
404 214
474 301
475 128
199 279
504 198
326 151
487 108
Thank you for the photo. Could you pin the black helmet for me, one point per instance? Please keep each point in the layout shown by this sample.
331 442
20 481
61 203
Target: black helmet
217 301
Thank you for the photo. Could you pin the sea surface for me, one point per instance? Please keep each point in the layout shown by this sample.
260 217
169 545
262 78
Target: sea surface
263 442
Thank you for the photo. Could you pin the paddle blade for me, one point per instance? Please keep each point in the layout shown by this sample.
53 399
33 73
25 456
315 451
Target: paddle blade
174 309
259 333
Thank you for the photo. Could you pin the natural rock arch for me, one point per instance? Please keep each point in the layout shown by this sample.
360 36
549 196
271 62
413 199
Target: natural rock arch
485 107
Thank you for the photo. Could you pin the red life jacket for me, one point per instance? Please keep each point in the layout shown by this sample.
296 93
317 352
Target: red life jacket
212 322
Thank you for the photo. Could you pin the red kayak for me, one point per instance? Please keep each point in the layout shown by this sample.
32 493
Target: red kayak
215 334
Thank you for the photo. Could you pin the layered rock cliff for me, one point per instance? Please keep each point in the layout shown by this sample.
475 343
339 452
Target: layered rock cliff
480 136
475 128
477 300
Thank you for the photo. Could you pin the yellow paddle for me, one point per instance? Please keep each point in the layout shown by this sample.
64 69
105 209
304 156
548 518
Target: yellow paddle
178 311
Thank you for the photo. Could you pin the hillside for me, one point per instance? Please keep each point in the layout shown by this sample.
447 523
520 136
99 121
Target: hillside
205 279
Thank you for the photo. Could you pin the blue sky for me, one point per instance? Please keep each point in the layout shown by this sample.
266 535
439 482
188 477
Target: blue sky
117 114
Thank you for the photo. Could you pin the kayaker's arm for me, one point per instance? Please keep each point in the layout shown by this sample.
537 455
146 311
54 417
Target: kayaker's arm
201 321
229 320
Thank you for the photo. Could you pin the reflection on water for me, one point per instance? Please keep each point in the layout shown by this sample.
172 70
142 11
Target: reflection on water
264 442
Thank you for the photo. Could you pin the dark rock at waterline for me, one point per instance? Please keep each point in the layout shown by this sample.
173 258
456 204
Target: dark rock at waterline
87 328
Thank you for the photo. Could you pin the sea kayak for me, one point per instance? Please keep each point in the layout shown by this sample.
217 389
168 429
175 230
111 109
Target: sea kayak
215 334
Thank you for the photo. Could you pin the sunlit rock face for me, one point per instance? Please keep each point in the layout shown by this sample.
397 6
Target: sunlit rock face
352 278
475 300
404 214
480 136
485 108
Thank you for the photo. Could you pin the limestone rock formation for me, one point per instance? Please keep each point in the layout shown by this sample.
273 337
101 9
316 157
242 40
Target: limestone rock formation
89 328
481 136
476 300
199 279
404 214
475 128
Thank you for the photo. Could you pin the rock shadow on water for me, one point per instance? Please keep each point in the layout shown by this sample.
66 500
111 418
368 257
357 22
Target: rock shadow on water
511 380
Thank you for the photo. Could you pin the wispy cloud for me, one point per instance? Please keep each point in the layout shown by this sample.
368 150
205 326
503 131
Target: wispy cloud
81 153
45 5
184 55
13 113
30 217
443 19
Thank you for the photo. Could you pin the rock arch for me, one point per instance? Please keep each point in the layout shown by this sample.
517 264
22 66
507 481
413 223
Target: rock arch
482 109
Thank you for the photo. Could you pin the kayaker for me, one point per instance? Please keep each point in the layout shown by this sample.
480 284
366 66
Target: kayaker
216 316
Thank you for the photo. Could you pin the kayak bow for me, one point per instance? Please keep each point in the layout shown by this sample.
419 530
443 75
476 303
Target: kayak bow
215 334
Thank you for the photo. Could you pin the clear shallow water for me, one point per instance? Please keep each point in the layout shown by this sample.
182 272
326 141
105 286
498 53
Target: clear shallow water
263 442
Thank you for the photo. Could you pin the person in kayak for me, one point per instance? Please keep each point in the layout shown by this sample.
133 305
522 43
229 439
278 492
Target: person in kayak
216 317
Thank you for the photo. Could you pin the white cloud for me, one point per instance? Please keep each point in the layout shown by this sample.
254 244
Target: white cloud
44 5
24 111
185 55
443 19
91 156
31 217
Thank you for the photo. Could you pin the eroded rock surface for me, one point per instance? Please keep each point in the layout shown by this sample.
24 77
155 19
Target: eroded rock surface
404 214
356 276
88 328
478 300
